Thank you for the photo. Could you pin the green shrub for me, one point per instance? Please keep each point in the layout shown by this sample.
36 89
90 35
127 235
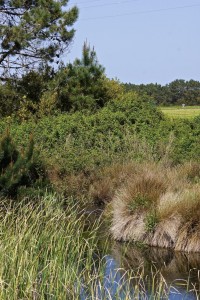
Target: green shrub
128 129
17 168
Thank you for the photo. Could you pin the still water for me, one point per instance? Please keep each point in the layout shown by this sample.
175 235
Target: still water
156 273
178 271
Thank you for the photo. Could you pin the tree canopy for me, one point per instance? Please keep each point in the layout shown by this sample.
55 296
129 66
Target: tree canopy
176 92
33 32
80 84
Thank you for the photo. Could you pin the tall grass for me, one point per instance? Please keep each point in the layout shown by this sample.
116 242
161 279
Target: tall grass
44 250
49 250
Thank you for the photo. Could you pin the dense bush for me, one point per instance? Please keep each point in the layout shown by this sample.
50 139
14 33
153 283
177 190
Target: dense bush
17 167
9 99
127 129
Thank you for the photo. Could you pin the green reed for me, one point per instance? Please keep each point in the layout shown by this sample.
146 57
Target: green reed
49 250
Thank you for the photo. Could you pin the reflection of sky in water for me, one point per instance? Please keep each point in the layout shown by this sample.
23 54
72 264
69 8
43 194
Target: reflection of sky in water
115 281
116 284
182 296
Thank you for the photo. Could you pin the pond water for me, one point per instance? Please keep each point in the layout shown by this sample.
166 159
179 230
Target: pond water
177 272
141 272
156 273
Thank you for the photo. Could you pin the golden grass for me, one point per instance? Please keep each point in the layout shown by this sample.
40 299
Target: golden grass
108 180
156 204
187 112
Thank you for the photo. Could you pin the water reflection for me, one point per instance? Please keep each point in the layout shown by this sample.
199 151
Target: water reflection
145 273
176 270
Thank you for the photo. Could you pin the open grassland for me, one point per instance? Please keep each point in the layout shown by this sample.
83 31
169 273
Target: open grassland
186 112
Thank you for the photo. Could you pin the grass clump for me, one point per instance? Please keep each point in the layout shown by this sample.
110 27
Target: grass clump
151 221
139 201
159 206
45 250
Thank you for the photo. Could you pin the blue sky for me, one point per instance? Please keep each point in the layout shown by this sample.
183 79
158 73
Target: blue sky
141 41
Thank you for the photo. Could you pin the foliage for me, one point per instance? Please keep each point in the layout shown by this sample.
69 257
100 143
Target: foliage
113 89
9 99
82 84
17 167
21 96
80 142
124 130
151 221
48 103
26 110
34 83
140 201
32 32
177 92
79 86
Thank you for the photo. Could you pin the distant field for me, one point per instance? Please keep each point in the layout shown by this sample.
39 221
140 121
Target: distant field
181 112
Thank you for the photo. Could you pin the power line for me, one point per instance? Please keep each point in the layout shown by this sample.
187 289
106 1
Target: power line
141 12
88 1
110 4
101 4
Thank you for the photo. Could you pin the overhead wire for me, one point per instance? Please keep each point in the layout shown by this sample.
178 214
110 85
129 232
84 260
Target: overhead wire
110 4
80 2
141 12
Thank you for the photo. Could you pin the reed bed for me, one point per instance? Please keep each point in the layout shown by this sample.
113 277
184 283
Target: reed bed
45 250
49 250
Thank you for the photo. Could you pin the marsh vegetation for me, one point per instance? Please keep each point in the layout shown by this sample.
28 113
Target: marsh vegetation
85 162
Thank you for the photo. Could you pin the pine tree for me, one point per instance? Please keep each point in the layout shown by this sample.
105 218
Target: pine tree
81 83
16 168
33 31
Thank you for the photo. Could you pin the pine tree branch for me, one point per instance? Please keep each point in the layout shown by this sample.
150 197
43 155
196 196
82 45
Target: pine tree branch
4 11
5 54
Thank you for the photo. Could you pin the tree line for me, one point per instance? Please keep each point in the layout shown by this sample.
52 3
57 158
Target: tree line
177 92
34 80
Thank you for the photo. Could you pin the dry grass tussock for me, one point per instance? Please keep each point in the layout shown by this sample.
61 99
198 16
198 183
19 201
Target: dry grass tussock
98 186
108 180
159 206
